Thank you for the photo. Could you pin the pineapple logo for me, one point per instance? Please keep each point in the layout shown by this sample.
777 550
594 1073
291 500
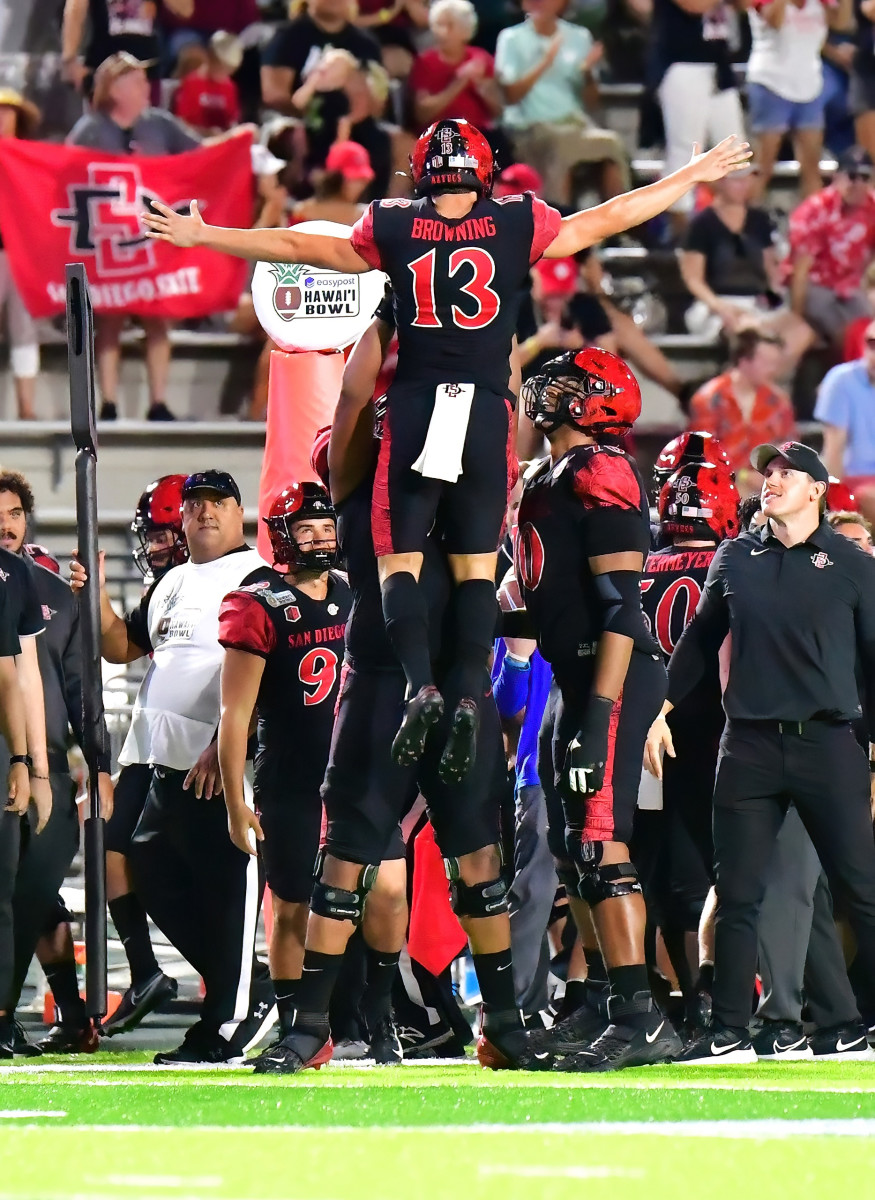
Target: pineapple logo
286 292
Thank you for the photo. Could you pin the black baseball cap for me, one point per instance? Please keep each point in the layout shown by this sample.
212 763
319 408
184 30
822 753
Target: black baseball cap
855 161
213 481
800 458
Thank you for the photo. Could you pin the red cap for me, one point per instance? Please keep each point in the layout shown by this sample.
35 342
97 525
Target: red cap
350 159
518 178
557 276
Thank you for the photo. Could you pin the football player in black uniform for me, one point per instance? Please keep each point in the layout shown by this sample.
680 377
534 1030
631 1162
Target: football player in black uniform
698 508
583 536
457 259
157 526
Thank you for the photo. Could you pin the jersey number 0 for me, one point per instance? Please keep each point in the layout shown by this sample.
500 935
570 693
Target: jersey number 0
486 301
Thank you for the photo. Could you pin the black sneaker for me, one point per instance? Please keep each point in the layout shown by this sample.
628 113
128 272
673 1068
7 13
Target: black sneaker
385 1043
7 1037
717 1047
108 411
781 1040
461 748
842 1043
568 1036
620 1046
138 1002
22 1044
199 1048
71 1039
294 1053
159 412
421 713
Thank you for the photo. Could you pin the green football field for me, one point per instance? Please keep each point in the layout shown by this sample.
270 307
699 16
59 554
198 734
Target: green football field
115 1127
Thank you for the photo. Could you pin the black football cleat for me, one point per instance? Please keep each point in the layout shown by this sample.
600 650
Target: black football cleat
503 1040
781 1041
461 748
385 1047
569 1036
71 1039
718 1046
421 713
7 1037
842 1043
138 1002
295 1052
200 1048
620 1046
22 1044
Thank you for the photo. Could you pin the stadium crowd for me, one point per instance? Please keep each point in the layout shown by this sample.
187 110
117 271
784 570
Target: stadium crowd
609 922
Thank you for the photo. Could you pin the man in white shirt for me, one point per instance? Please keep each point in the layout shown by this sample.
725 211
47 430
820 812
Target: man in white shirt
196 885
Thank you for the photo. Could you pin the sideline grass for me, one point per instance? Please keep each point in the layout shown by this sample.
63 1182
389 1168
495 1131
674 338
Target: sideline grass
412 1132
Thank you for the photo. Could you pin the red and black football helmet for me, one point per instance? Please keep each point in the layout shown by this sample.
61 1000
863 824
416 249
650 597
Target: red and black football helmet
452 156
300 502
839 497
159 510
699 500
591 389
319 454
692 446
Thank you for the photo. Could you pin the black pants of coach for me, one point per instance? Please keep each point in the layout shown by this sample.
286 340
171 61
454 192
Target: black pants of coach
763 766
202 893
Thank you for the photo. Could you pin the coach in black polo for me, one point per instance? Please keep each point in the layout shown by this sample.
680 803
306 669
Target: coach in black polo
798 602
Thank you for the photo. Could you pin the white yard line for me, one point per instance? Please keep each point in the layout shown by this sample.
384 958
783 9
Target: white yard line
10 1114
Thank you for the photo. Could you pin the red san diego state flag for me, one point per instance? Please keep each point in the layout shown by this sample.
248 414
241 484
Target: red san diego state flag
61 204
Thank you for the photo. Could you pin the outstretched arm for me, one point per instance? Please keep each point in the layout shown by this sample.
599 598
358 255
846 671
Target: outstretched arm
265 245
584 229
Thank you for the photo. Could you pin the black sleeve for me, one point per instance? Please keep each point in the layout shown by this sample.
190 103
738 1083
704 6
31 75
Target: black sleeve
366 48
762 227
287 48
701 640
864 620
385 310
9 643
611 530
31 619
699 234
588 314
137 622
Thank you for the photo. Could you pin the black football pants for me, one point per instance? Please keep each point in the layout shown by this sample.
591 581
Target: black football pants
201 891
762 768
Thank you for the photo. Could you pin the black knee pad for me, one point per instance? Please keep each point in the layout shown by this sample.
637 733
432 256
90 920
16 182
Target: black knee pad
608 883
340 904
475 899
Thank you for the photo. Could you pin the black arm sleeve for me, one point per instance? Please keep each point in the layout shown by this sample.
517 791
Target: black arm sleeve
137 622
703 637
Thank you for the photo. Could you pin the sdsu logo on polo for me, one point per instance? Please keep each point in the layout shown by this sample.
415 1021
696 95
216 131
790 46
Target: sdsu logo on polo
303 308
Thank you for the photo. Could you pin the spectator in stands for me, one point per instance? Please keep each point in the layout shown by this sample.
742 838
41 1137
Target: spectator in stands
730 267
690 71
838 56
121 122
114 25
846 406
454 78
785 85
744 407
832 240
852 525
542 66
307 65
862 90
207 98
339 187
19 118
561 323
184 22
392 23
855 334
388 146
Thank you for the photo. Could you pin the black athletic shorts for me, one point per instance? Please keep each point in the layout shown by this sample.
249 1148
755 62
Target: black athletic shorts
365 793
609 813
129 800
291 820
472 510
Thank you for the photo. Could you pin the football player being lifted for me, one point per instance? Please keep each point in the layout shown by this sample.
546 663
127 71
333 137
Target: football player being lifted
457 259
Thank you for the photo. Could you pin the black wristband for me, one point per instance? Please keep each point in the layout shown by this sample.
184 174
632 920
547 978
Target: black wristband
22 758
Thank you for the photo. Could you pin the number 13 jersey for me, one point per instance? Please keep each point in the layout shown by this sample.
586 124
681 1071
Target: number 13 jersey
301 640
457 283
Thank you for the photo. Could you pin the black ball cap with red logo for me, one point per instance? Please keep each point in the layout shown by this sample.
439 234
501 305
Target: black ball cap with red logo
800 458
211 481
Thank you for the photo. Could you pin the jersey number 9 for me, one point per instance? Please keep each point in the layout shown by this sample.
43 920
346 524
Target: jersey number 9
318 670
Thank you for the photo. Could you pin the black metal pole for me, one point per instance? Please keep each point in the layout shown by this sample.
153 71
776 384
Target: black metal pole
80 351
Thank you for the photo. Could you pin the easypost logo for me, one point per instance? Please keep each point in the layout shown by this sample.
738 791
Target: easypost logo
300 292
